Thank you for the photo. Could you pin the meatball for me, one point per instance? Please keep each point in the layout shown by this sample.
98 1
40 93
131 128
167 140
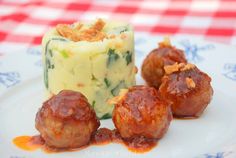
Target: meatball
66 120
187 89
141 112
152 67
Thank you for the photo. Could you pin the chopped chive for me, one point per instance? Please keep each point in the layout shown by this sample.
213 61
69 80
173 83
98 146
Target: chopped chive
48 65
64 54
93 77
112 56
117 88
128 57
93 103
124 30
50 52
48 56
46 78
107 82
53 39
106 116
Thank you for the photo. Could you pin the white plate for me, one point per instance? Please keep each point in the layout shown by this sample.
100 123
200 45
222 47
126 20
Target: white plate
213 135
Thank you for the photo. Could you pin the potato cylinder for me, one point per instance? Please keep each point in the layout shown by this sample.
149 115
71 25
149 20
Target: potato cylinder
98 69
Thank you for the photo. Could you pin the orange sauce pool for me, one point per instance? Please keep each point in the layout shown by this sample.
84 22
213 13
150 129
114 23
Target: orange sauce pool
101 137
29 143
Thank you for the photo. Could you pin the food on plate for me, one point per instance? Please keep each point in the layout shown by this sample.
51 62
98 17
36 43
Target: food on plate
96 59
140 112
66 120
153 64
187 88
89 73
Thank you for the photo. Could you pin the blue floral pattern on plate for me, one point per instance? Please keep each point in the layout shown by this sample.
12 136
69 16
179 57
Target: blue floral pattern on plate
9 79
192 50
33 51
217 155
230 71
36 52
225 153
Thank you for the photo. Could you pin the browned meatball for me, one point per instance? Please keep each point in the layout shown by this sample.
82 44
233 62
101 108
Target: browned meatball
141 112
187 88
152 67
66 120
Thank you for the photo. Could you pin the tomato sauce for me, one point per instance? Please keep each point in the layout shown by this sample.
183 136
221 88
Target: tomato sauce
29 143
102 136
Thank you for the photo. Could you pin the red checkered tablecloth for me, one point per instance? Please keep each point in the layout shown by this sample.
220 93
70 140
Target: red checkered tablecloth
25 21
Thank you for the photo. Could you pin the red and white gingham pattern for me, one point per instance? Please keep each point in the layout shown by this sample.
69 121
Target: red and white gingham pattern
25 21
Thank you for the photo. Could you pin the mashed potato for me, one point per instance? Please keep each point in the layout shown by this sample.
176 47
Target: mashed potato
98 66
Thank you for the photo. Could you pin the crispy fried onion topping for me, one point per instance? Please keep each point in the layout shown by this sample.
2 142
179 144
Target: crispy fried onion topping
190 83
169 69
94 33
116 99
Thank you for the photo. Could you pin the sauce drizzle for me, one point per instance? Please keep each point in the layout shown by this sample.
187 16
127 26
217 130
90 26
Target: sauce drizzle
29 143
102 136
